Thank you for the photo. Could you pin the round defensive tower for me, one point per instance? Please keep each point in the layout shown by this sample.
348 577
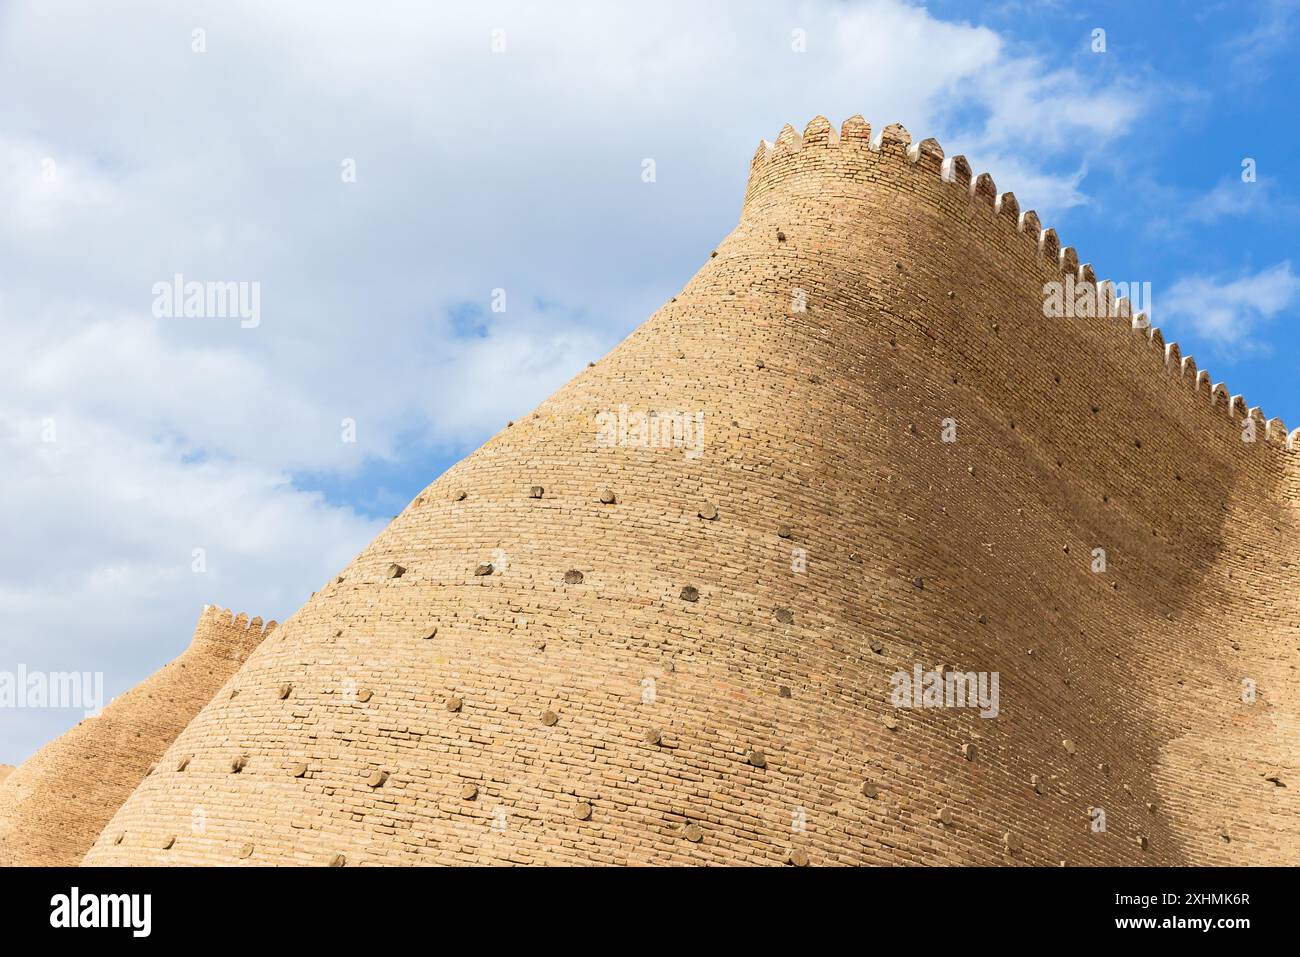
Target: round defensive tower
660 619
53 805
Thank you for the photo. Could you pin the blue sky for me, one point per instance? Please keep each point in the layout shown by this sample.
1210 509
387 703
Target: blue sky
1212 85
1167 204
128 155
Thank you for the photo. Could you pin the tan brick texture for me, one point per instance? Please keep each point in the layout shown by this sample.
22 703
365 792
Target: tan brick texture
567 651
57 801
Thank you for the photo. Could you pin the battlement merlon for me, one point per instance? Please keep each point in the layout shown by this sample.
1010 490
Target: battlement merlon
851 153
222 628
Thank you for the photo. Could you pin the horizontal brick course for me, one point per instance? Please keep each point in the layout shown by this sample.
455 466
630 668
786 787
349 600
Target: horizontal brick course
687 697
53 806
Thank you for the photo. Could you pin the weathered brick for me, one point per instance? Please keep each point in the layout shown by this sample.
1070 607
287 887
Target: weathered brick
899 292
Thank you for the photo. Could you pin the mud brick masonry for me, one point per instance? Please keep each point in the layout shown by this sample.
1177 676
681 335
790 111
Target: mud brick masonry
55 804
569 651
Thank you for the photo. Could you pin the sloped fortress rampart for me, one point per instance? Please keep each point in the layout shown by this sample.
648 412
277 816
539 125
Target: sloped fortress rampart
575 650
53 806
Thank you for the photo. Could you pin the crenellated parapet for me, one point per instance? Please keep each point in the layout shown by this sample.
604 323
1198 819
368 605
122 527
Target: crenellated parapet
852 153
223 628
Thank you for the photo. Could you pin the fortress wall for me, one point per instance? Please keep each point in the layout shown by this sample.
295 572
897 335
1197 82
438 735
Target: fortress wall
1193 516
1250 813
57 801
519 717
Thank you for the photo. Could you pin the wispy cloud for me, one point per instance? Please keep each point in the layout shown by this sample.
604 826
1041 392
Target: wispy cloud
1183 211
1251 53
1228 312
1231 197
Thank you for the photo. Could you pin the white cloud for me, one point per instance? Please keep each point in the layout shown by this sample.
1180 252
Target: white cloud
1184 211
1227 312
1053 192
97 573
1251 53
475 171
39 193
1229 197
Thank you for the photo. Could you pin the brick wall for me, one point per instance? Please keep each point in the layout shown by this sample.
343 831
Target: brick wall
642 677
57 801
